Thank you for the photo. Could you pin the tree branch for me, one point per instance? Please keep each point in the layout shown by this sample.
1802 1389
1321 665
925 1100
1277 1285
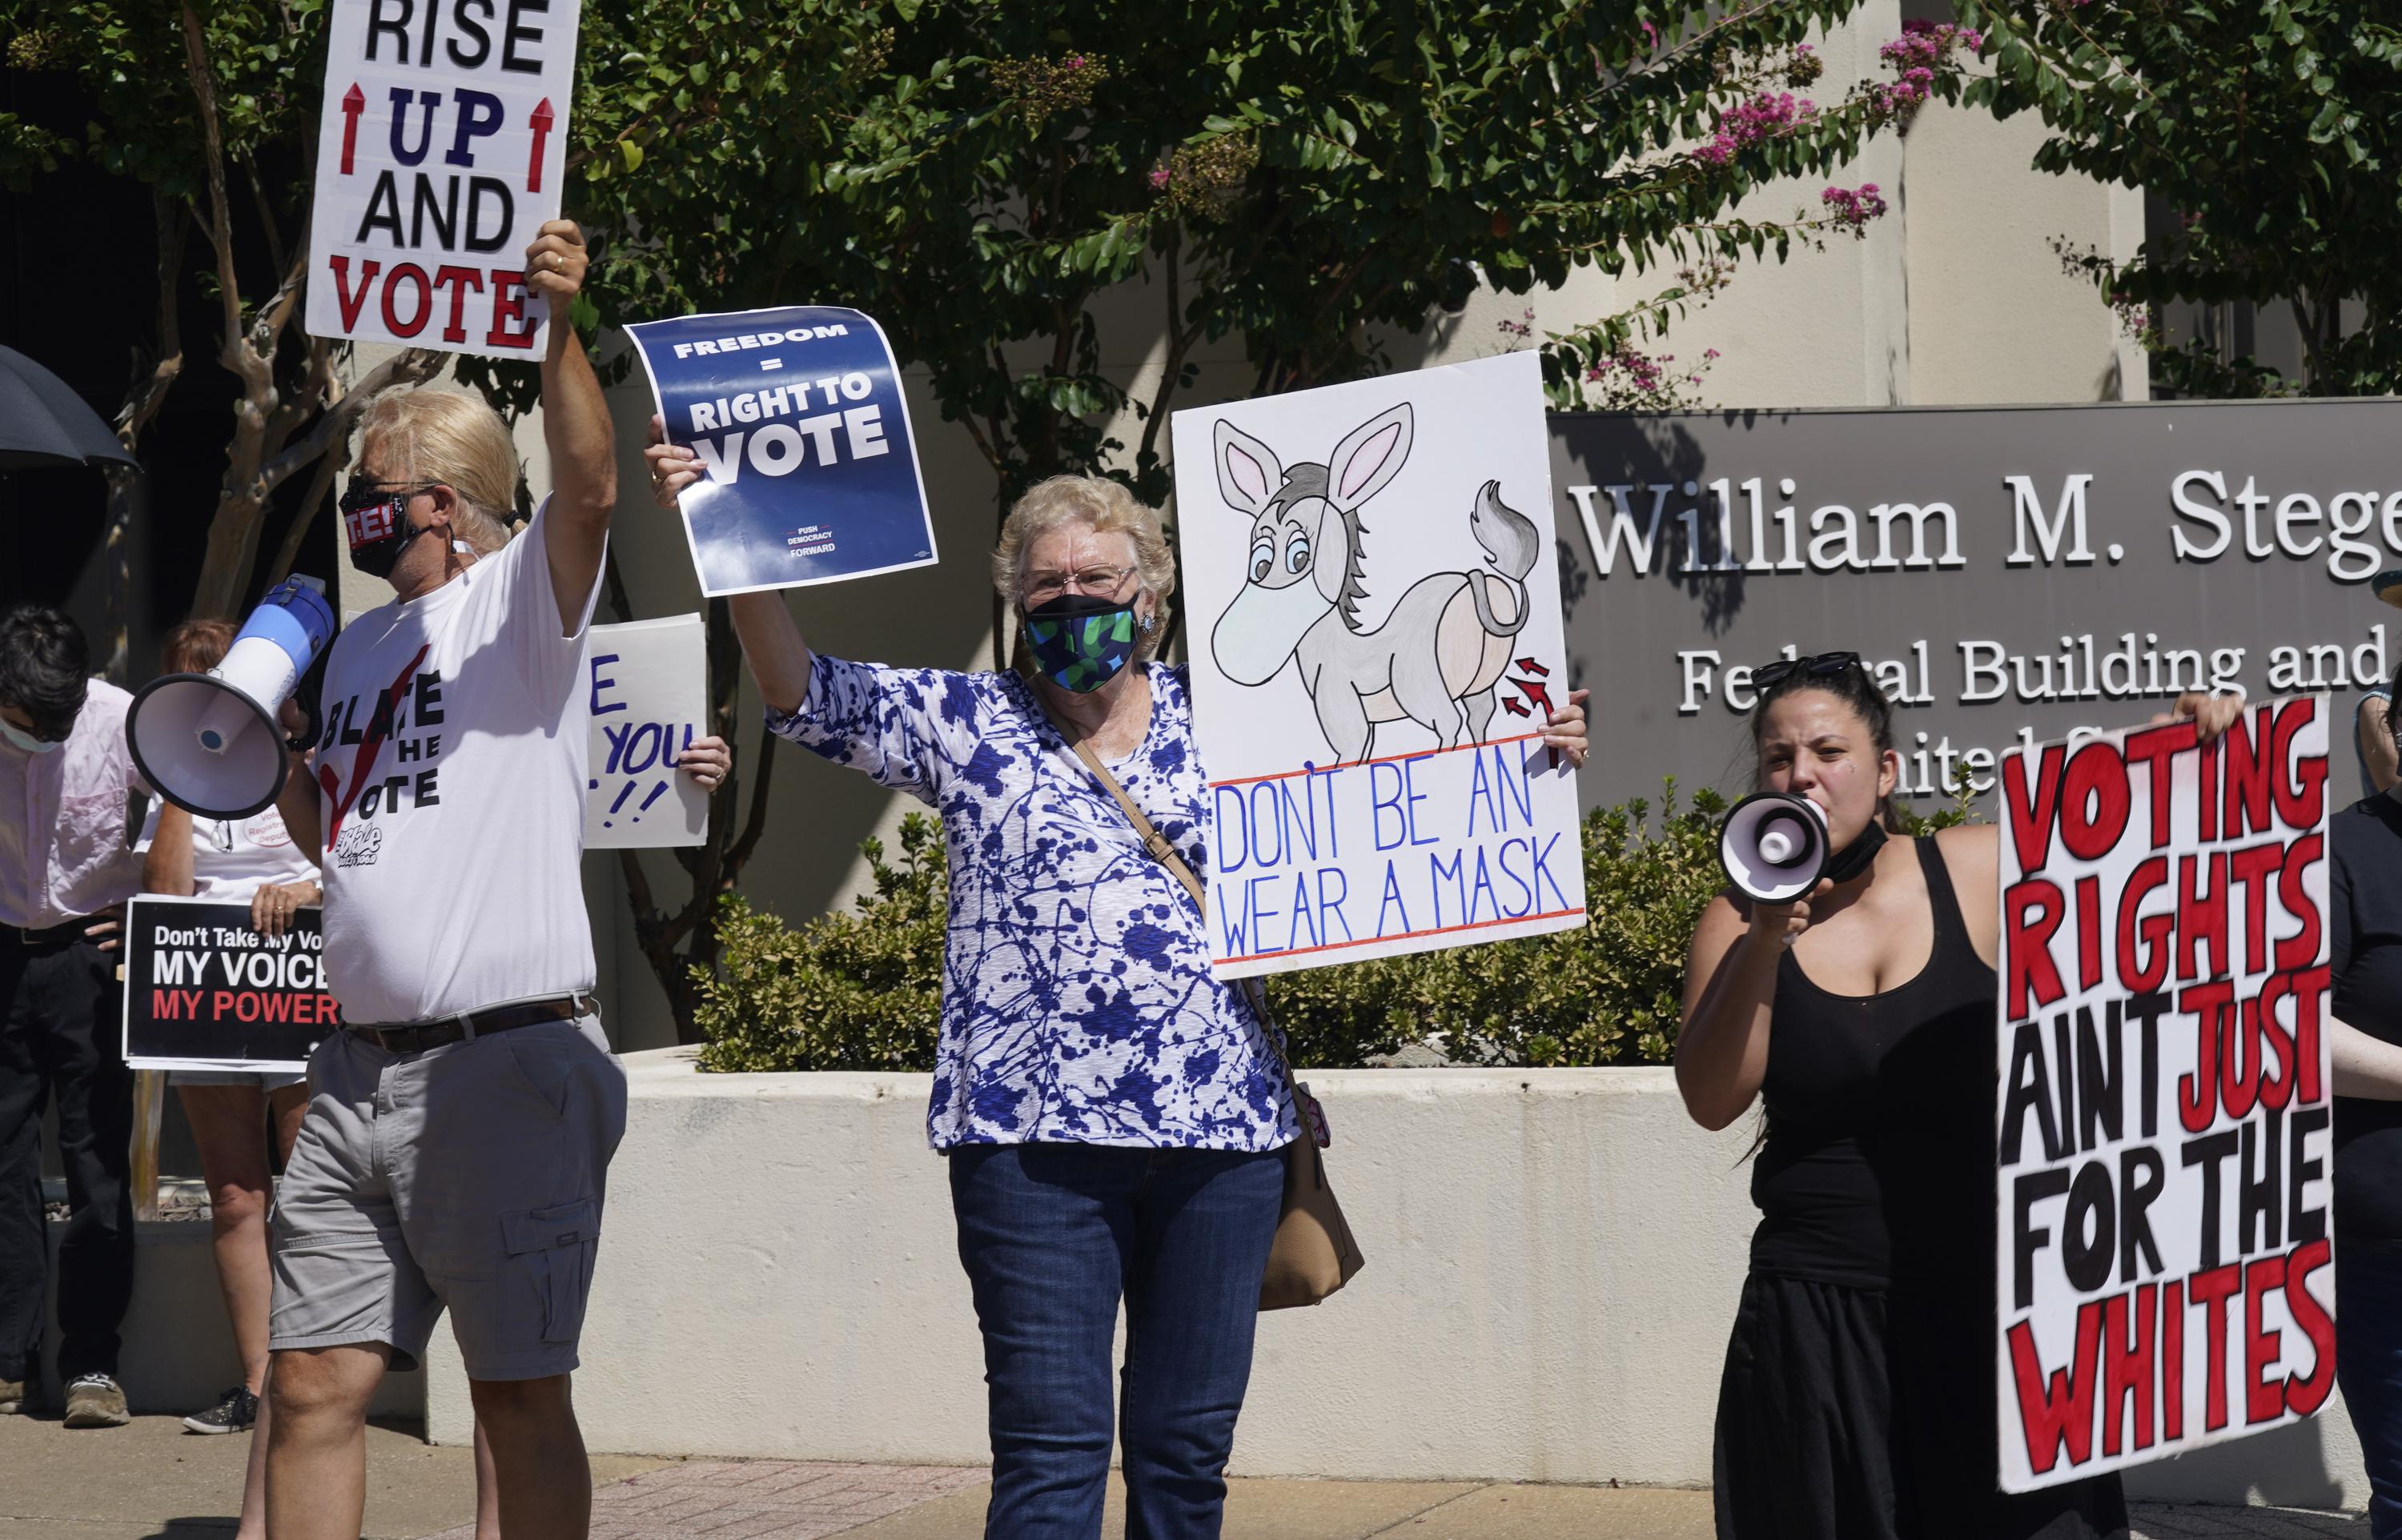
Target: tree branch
739 855
147 394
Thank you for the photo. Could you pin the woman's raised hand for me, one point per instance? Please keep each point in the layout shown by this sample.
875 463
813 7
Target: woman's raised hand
2212 714
707 761
673 467
1784 922
1565 730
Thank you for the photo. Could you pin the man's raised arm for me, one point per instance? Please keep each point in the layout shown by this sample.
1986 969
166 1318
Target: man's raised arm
575 426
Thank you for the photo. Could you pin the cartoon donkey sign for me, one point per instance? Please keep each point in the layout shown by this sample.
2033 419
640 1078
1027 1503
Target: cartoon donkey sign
1434 660
1373 574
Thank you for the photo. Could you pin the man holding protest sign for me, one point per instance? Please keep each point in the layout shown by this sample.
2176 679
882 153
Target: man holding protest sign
1858 1392
461 1124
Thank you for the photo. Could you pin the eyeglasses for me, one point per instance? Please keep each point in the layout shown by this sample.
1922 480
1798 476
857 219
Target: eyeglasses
366 494
1819 665
1042 587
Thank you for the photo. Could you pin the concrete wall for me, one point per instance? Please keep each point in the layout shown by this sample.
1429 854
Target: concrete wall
1554 1258
178 1354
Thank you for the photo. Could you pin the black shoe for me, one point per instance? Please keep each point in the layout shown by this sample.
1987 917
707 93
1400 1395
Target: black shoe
234 1412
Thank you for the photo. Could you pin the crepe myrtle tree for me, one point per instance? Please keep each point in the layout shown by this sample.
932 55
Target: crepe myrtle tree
210 107
213 108
1302 179
2268 129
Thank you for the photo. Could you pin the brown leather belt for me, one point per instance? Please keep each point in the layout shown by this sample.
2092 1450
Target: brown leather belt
420 1035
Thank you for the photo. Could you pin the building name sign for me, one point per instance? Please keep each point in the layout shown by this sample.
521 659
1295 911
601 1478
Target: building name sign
2009 574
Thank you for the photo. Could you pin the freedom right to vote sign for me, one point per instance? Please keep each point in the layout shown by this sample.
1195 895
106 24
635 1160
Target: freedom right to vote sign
440 151
2164 1277
798 419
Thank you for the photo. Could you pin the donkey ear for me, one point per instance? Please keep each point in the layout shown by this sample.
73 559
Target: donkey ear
1368 457
1248 472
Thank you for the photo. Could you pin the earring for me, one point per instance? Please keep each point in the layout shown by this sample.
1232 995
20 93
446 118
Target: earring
1146 624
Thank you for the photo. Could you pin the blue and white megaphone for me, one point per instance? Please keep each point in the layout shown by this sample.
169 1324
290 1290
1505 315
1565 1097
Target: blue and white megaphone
1774 845
211 743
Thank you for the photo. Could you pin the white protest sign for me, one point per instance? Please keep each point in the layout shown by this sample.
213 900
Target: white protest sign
440 152
1375 609
649 680
2162 1234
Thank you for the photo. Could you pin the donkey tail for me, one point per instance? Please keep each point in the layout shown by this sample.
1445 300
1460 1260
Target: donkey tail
1510 539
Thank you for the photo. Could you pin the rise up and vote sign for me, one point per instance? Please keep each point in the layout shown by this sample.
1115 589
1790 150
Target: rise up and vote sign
2162 1256
203 990
800 424
440 152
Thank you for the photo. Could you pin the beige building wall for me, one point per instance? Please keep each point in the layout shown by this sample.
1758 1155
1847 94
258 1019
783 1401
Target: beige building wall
1955 296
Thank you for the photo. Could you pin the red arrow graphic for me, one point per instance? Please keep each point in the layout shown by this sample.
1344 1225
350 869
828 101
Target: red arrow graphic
354 102
1538 693
1535 668
1512 704
541 121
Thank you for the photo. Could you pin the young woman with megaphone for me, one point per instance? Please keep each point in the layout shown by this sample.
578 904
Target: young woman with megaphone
1857 1398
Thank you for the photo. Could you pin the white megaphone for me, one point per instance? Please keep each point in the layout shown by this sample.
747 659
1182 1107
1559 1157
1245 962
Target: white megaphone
210 743
1774 845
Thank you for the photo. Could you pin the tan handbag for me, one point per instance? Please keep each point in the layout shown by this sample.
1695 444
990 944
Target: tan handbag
1313 1254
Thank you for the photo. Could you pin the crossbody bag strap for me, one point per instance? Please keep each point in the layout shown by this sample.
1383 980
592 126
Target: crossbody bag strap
1156 846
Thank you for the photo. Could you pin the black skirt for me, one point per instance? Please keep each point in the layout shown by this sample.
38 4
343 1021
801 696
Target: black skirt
1845 1415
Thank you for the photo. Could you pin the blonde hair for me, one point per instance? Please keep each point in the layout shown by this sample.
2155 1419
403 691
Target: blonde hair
453 438
1109 509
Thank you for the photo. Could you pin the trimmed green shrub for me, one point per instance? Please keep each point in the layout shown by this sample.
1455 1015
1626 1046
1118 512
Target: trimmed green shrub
859 991
863 991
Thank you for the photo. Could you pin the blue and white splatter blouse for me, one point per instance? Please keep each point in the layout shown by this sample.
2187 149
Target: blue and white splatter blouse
1077 1002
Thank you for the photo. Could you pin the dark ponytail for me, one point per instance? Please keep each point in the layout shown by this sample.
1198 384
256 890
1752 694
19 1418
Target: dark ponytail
1853 685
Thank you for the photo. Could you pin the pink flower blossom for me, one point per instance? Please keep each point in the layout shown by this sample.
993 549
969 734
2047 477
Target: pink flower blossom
1854 207
1767 115
1159 178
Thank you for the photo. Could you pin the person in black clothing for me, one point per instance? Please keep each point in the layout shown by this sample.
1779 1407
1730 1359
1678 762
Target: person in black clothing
2364 893
1857 1399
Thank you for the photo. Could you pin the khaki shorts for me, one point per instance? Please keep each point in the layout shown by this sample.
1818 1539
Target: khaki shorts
468 1176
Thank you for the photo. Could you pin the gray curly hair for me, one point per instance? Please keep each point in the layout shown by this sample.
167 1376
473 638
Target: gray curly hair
1109 509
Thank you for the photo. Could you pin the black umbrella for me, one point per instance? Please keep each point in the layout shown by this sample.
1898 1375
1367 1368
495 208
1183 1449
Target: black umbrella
42 422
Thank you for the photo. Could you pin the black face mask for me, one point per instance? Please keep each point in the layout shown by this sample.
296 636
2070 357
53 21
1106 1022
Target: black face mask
1853 858
377 521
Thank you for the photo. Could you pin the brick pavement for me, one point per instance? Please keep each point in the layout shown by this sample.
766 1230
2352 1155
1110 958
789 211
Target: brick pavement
789 1500
758 1500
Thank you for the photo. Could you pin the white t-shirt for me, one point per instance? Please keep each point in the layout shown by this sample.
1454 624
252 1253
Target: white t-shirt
232 858
450 772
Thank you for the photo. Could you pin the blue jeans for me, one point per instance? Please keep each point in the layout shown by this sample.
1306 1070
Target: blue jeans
1051 1236
2368 1367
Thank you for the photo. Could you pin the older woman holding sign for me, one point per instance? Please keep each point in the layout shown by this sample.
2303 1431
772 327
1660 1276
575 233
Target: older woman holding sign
1111 1112
1857 1402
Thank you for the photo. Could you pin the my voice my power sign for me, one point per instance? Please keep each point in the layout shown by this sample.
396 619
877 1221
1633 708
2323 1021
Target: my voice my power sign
203 990
2164 1277
441 151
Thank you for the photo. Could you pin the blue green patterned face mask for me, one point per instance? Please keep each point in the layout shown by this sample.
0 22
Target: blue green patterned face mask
1080 641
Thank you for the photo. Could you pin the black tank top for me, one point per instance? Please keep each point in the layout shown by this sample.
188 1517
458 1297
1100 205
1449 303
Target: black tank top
1878 1168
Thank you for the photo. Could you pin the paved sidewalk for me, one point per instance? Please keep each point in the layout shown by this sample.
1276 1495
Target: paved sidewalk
153 1482
778 1500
